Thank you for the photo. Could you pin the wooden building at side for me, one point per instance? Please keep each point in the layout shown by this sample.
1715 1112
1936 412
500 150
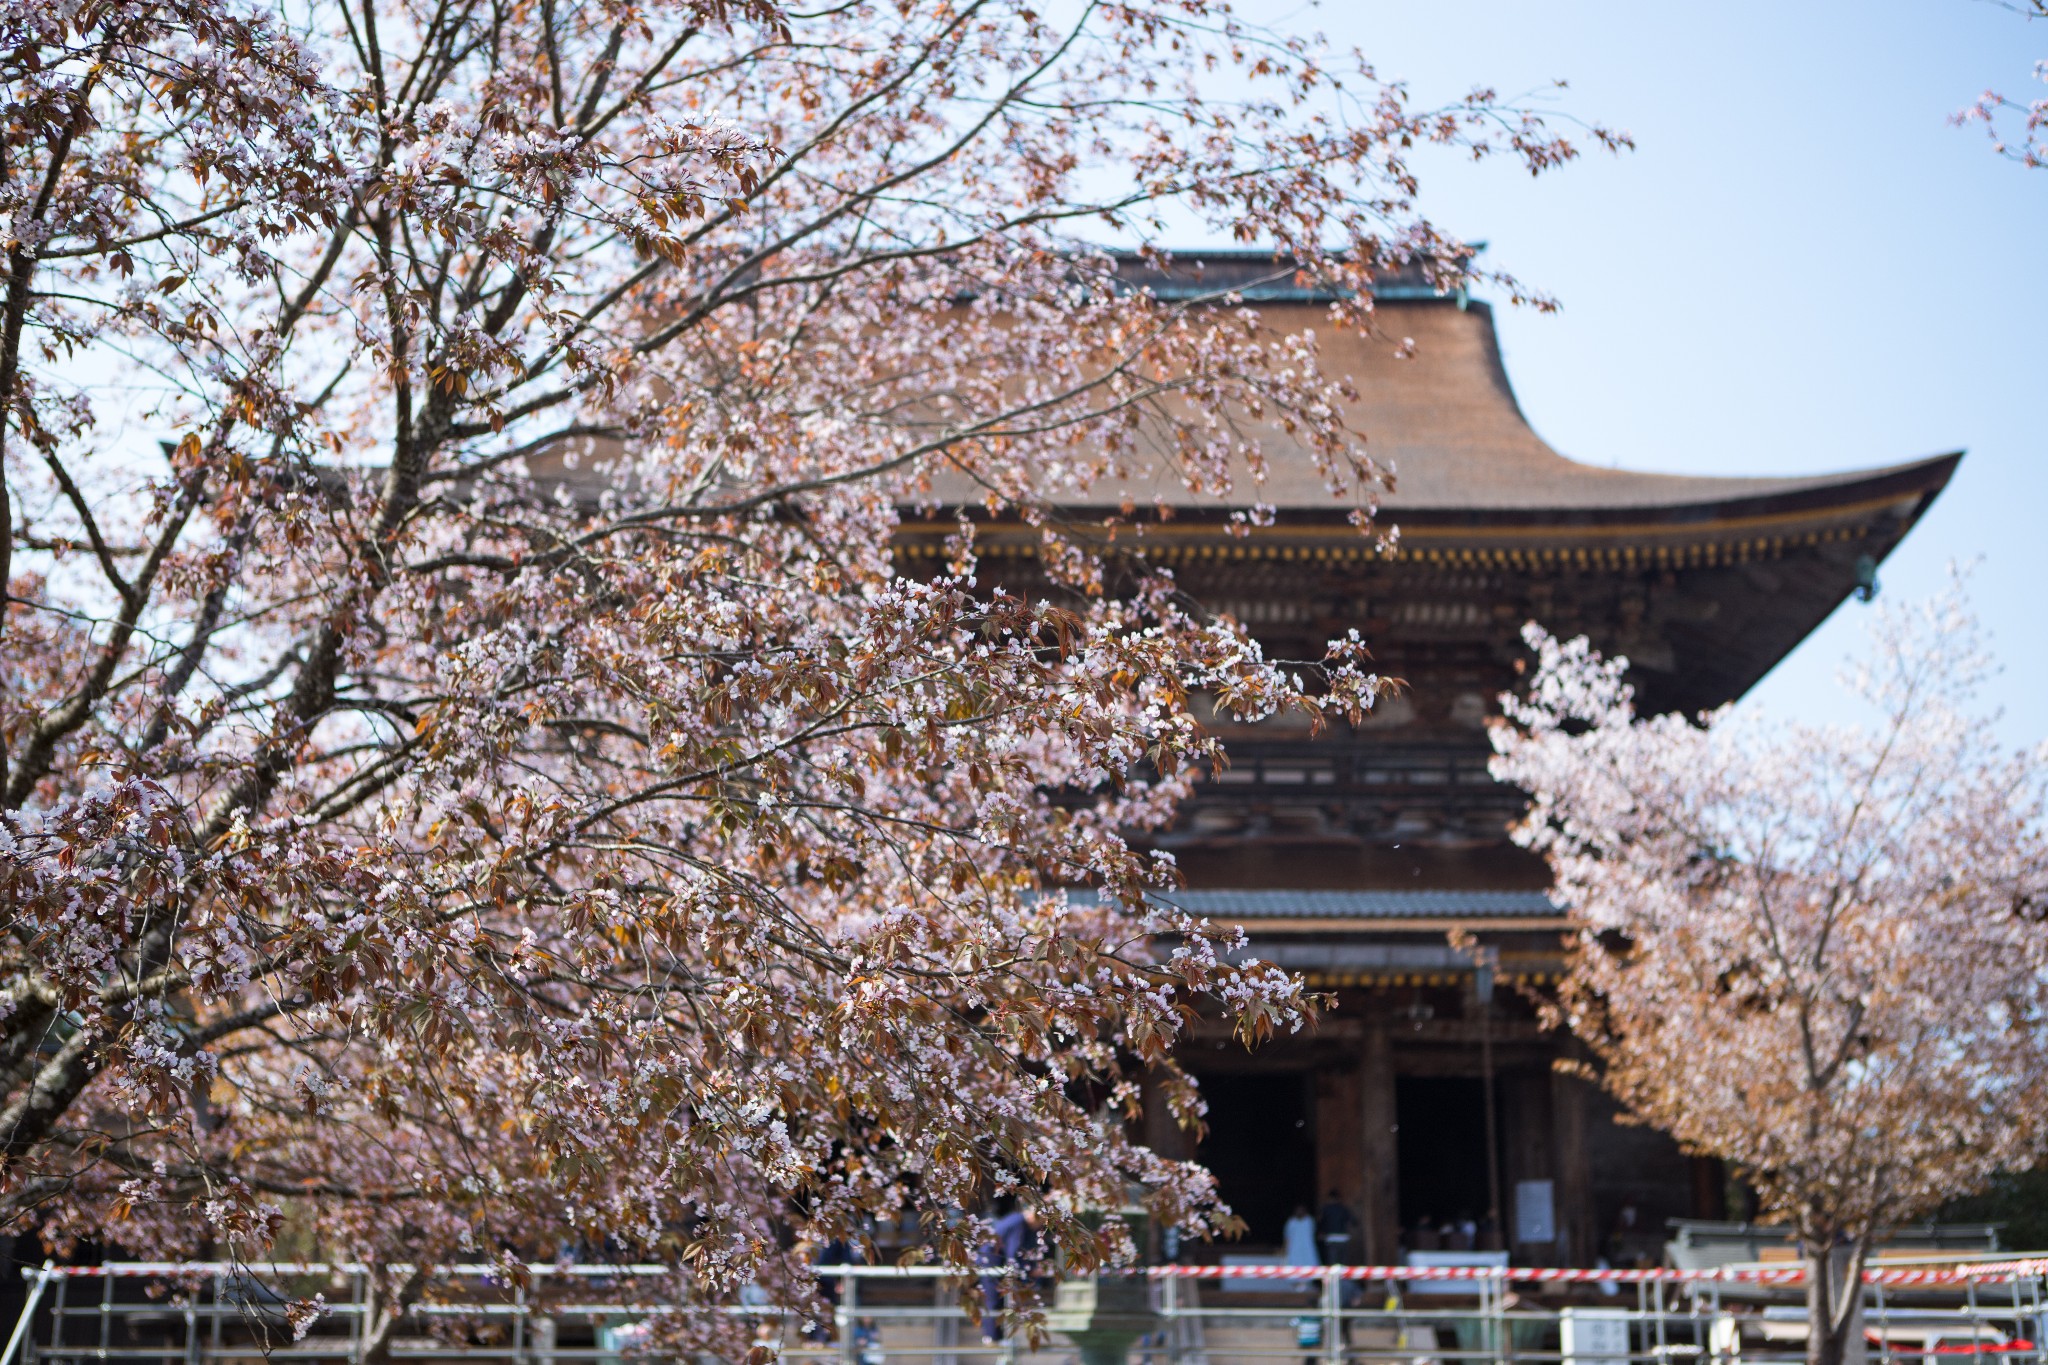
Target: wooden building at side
1349 857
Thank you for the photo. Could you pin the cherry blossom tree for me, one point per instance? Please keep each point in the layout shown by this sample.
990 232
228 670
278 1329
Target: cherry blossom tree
471 773
2018 128
1814 953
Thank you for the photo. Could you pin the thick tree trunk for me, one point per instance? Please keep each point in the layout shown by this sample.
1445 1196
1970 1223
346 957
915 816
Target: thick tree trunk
1834 1305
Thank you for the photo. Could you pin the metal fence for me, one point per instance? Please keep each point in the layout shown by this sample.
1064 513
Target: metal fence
220 1314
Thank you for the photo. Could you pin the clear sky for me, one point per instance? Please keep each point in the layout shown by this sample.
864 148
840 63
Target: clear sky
1802 267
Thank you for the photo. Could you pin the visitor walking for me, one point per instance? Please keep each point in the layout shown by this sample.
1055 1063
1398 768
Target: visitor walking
1013 1247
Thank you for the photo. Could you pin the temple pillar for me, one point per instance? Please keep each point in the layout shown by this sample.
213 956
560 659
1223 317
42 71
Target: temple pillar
1709 1189
1577 1233
1531 1140
1380 1173
1160 1132
1340 1163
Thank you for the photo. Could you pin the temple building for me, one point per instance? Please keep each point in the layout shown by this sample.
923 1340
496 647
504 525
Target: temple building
1428 1095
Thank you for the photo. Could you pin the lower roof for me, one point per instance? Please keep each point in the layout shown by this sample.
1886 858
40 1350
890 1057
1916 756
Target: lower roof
1362 905
1366 904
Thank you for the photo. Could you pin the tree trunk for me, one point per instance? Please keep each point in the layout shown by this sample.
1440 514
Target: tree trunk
1834 1304
385 1313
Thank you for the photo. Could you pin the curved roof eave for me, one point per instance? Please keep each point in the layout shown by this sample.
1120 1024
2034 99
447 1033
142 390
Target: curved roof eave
1679 500
1692 508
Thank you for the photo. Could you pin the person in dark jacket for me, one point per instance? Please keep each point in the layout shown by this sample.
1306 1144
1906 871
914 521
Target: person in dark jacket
1014 1247
835 1252
1335 1228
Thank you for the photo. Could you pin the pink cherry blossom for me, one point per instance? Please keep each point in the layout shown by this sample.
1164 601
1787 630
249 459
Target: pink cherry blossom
1815 953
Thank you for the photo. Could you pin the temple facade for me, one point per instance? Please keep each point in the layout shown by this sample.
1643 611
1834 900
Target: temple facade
1428 1096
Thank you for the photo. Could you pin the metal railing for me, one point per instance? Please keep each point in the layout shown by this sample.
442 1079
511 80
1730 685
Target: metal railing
220 1314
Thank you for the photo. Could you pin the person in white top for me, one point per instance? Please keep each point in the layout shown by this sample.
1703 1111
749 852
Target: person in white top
1300 1237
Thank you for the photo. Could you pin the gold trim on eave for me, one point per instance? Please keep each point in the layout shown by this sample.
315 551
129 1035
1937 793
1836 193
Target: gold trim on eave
1345 927
1391 980
1625 558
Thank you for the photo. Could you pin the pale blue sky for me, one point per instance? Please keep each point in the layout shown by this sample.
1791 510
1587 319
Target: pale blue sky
1802 266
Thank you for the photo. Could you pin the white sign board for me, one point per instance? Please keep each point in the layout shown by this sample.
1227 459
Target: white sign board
1451 1258
1592 1336
1535 1211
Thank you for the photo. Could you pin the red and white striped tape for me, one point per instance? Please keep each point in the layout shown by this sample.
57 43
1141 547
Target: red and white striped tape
1972 1272
1979 1271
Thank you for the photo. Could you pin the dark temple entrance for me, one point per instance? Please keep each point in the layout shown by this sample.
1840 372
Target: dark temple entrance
1261 1147
1442 1148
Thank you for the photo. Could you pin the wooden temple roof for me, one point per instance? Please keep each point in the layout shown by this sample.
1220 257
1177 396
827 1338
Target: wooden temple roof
1437 411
